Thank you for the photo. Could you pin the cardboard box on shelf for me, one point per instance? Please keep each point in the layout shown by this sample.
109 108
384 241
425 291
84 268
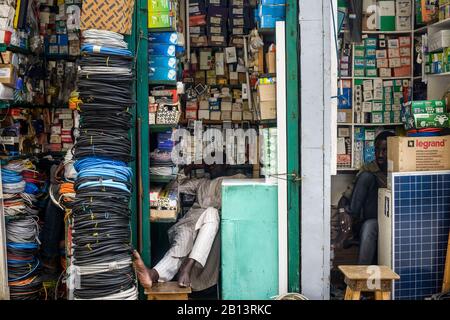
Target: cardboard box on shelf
408 154
8 75
107 15
267 92
268 110
344 116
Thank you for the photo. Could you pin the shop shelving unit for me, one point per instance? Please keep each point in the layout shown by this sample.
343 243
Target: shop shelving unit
352 125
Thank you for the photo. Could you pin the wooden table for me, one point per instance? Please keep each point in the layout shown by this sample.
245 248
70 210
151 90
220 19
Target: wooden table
446 284
376 279
167 291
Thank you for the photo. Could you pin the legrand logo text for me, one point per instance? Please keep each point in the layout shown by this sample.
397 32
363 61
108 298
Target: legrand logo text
430 144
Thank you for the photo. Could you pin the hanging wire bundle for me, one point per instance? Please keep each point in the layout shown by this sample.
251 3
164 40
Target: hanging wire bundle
22 230
101 266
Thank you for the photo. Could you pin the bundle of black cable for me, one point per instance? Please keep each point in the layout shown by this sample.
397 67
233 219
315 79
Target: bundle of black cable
101 235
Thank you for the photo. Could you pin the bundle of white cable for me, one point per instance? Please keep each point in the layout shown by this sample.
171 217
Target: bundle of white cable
130 294
104 38
75 272
14 188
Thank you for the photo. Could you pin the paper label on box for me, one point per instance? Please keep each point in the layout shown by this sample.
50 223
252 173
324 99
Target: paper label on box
238 10
215 29
367 107
5 72
238 22
67 124
405 52
216 20
368 85
368 95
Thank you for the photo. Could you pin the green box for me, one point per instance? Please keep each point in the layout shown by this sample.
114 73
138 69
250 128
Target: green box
387 23
371 63
360 63
360 52
159 6
359 72
422 121
371 73
377 117
161 20
370 43
428 106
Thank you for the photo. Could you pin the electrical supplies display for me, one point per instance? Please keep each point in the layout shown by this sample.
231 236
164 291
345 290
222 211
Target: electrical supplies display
101 239
270 152
23 189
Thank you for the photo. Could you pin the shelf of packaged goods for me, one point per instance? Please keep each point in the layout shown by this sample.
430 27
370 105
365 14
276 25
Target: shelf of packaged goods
383 78
161 179
150 30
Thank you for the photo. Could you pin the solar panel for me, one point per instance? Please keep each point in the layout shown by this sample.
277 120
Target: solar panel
420 233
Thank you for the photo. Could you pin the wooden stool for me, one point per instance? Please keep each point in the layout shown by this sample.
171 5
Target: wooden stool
357 277
167 291
446 284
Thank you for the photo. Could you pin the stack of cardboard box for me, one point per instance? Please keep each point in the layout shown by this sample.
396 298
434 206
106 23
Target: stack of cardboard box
162 14
60 39
383 57
269 12
162 56
61 131
381 101
425 114
387 15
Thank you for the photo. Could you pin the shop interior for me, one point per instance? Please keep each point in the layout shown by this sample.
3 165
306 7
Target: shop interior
393 76
71 141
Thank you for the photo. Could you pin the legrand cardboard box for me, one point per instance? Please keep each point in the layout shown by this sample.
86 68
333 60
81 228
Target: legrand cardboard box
409 154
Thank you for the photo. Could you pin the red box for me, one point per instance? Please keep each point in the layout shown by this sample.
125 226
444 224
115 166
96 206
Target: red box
344 160
66 139
402 71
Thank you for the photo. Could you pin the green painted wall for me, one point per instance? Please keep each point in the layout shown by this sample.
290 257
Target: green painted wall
249 241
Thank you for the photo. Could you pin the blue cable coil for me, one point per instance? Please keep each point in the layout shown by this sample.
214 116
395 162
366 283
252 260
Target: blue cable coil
9 176
110 173
34 268
24 246
105 50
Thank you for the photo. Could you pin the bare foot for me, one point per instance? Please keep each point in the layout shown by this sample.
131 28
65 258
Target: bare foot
142 271
184 278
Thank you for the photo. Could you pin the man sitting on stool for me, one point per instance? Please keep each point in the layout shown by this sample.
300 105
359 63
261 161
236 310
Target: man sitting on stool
195 247
360 202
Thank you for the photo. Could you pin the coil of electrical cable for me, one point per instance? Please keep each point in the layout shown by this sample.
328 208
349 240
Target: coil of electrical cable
101 266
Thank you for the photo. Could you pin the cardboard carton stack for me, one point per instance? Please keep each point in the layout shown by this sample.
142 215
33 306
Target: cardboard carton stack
383 56
162 14
269 12
163 62
387 15
381 100
425 115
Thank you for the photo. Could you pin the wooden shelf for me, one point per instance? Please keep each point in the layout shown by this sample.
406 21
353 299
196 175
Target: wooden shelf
383 78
